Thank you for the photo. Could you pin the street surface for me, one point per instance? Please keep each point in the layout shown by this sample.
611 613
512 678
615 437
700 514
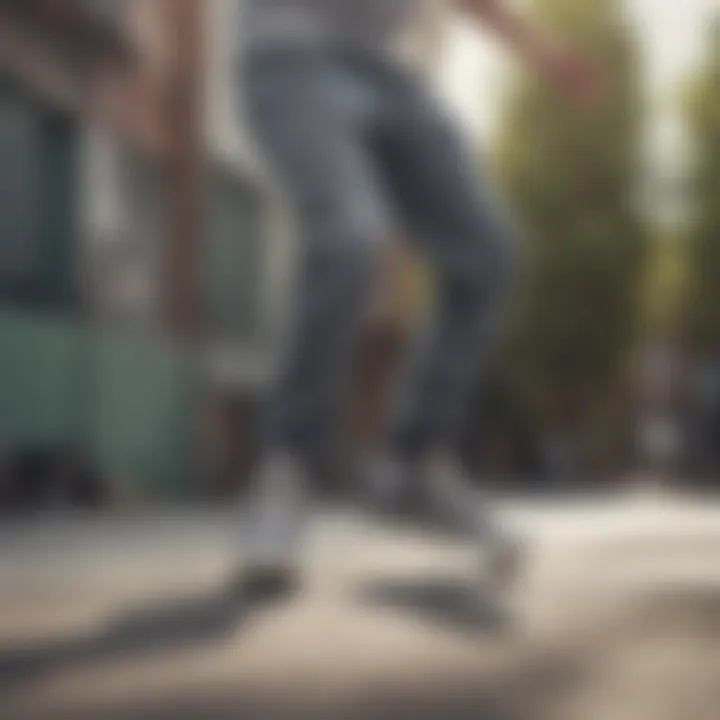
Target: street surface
617 616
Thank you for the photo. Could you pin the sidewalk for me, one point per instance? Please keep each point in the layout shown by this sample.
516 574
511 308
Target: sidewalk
127 617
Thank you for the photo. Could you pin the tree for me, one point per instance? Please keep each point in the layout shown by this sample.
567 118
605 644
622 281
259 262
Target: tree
572 177
703 241
665 288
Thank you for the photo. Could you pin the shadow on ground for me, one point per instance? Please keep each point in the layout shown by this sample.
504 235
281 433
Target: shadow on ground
167 627
656 662
450 603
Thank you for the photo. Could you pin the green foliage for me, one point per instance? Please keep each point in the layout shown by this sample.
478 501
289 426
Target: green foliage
703 115
572 175
665 288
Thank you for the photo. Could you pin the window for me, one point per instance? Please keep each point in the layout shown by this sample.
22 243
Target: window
38 201
19 197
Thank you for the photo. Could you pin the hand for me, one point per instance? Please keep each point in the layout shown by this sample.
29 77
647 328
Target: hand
574 74
570 71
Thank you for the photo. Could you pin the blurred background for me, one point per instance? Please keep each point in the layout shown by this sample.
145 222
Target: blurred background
145 259
145 265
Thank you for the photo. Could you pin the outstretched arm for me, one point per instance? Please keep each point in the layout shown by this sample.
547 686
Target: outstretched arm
562 66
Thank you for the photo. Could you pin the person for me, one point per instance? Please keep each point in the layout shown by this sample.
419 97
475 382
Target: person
357 143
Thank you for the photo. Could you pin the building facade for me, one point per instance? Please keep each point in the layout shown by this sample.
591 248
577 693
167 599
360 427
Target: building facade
145 254
135 266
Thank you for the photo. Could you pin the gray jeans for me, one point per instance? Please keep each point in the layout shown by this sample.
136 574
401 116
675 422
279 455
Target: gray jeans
359 146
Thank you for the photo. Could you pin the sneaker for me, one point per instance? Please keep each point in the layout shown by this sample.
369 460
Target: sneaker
463 509
438 495
274 527
435 495
454 499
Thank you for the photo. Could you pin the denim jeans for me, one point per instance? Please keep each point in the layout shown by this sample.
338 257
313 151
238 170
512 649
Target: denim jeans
360 146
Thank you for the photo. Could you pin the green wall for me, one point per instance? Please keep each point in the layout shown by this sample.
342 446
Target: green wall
127 398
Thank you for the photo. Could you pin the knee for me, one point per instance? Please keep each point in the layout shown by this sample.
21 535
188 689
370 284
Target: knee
348 267
345 251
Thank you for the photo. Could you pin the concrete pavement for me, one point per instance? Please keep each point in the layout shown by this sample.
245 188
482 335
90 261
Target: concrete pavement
617 615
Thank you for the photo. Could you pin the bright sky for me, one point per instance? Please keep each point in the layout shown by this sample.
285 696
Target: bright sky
672 33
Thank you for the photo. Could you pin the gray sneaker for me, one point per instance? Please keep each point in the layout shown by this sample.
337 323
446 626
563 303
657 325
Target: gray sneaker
465 509
274 527
439 496
434 494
